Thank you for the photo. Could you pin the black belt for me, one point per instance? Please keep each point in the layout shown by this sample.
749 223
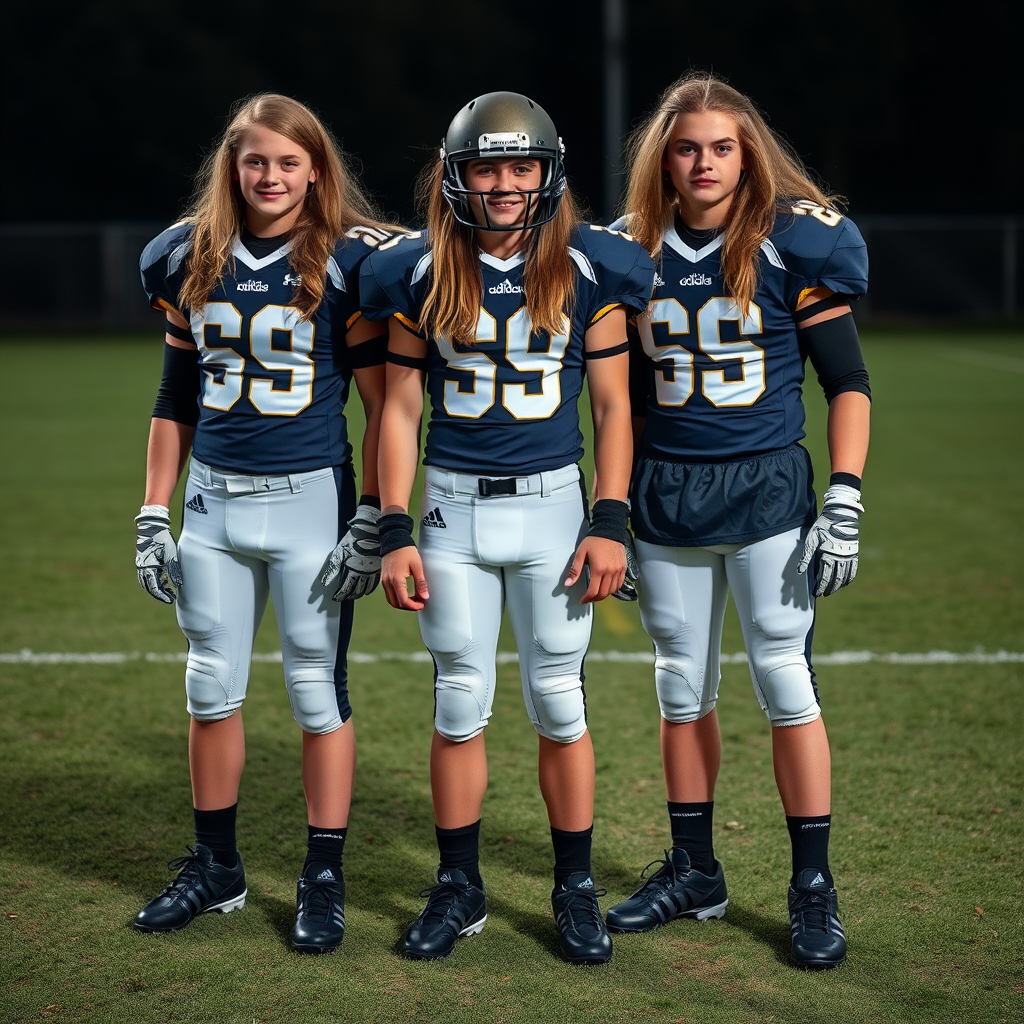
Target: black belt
491 487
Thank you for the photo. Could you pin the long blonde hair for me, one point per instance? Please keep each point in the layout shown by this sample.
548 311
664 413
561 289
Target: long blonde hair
452 304
333 203
774 176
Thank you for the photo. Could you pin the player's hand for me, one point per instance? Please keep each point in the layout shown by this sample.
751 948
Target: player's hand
396 568
605 562
833 541
156 554
627 592
355 562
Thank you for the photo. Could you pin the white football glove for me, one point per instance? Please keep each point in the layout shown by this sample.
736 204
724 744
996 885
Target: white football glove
832 543
627 592
156 554
355 562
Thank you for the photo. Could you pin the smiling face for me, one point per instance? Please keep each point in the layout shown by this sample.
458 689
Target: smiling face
273 174
504 179
704 159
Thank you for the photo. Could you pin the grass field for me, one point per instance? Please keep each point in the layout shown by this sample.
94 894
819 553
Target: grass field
926 724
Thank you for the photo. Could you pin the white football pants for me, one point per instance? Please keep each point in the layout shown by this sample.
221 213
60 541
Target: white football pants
683 595
244 538
480 553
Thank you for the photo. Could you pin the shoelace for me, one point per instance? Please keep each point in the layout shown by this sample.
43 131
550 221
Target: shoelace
582 908
441 899
812 909
189 870
665 882
319 897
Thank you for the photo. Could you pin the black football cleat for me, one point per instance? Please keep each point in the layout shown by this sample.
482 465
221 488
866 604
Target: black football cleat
674 890
581 929
818 942
320 912
201 885
454 908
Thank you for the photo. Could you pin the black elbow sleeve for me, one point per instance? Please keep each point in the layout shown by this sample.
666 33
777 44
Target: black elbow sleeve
833 346
178 396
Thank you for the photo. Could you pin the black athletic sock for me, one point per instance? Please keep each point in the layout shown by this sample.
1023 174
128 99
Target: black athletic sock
460 849
325 848
216 831
809 837
691 831
572 852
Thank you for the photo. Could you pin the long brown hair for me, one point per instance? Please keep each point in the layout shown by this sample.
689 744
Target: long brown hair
774 176
452 304
333 203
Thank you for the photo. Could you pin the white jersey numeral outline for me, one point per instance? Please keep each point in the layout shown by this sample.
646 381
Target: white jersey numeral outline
229 365
673 363
520 403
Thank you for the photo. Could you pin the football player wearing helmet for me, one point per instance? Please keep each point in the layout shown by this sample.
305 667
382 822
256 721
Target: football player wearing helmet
259 288
500 308
757 269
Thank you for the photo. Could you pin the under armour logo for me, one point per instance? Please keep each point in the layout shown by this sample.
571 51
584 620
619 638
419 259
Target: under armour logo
196 504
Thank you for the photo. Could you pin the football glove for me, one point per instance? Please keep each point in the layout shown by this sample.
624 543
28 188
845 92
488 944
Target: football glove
156 554
355 562
627 592
832 544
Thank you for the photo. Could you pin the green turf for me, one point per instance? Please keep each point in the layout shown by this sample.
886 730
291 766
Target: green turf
928 843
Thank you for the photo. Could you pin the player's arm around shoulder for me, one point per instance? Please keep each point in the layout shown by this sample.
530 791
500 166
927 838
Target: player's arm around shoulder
606 351
396 466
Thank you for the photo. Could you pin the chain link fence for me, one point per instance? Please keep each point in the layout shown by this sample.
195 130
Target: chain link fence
925 270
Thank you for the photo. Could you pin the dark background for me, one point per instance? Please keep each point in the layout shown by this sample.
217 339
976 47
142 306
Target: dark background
110 105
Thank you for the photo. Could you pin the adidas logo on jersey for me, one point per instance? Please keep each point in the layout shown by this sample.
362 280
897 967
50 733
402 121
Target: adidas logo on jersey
659 281
196 504
252 286
506 288
293 279
433 518
695 279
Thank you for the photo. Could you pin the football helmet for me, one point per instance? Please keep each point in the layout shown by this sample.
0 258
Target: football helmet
503 124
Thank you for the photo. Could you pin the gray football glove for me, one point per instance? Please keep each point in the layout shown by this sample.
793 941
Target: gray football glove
627 592
833 542
156 554
355 562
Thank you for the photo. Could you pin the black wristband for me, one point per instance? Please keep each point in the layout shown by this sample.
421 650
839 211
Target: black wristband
369 499
394 531
845 478
609 519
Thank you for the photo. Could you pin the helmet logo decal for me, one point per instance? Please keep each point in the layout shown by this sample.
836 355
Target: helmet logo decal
506 142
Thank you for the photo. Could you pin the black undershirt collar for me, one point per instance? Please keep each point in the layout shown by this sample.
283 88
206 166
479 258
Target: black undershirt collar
693 238
261 247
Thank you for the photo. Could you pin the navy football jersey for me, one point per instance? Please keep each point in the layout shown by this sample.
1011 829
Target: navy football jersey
507 405
274 386
720 384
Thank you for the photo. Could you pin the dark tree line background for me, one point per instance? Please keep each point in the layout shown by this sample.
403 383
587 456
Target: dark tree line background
108 106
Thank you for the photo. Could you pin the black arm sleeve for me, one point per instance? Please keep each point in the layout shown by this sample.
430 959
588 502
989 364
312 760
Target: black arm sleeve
833 346
178 397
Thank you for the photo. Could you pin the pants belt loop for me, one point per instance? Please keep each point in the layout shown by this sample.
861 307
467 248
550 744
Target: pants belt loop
295 483
449 485
545 484
202 470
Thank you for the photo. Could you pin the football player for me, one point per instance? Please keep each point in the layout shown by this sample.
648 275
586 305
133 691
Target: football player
259 288
757 269
501 308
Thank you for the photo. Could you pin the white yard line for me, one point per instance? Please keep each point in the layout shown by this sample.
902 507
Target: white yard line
28 657
981 358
